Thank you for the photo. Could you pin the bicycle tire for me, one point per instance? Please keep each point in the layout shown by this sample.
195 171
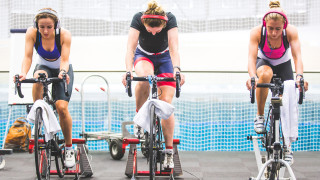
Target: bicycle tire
273 171
41 155
152 151
59 159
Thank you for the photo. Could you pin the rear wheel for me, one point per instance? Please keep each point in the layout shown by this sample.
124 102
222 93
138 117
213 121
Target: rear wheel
41 153
152 144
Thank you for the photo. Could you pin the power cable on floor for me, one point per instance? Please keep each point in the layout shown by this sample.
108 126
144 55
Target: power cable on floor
191 174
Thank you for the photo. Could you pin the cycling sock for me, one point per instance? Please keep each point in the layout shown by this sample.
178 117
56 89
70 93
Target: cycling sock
169 147
68 146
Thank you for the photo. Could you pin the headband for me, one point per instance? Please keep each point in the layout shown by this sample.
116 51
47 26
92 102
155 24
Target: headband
278 12
147 16
57 24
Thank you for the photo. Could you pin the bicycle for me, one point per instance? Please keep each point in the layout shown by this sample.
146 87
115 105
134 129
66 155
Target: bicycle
45 149
153 145
272 139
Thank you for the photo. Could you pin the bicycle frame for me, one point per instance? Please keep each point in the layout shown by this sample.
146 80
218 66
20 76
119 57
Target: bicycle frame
154 142
272 139
45 150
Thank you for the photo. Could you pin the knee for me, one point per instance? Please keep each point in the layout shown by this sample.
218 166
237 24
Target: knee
166 99
62 109
265 73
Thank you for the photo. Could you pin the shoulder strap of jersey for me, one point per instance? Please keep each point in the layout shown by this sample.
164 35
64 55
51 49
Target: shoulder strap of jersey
262 37
36 45
285 39
57 39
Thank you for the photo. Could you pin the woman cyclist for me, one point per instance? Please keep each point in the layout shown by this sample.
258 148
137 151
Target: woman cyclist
269 54
152 48
52 44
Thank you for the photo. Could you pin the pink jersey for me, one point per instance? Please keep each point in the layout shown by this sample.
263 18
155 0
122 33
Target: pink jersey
273 56
273 53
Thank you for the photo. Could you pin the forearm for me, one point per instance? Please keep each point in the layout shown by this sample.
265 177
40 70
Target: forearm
64 65
252 68
129 60
298 64
175 57
26 64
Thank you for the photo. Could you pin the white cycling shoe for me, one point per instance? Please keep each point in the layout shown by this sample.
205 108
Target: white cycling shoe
70 160
288 156
168 160
259 125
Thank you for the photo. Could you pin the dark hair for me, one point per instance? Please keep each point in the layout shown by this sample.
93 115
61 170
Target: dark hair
41 15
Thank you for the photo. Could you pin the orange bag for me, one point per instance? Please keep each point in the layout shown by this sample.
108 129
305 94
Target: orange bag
18 135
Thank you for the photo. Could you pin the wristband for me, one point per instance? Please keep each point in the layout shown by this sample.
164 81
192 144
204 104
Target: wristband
178 67
299 75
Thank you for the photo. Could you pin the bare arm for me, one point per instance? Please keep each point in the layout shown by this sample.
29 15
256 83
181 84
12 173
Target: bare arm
27 60
65 49
294 42
295 48
253 52
173 43
132 43
131 47
173 46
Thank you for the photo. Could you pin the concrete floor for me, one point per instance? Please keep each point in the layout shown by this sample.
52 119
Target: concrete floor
195 165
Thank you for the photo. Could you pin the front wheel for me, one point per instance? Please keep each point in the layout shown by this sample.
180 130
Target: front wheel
152 143
42 154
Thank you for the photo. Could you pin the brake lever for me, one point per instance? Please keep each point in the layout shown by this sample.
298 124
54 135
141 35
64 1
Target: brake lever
64 78
252 90
128 84
17 87
178 88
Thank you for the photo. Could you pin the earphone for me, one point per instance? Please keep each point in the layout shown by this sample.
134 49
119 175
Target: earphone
278 12
56 25
154 17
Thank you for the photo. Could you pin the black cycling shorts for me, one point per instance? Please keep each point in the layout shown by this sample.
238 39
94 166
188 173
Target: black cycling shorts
58 88
284 70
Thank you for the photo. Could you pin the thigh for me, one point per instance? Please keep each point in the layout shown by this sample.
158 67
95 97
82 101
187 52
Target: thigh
264 68
42 69
284 71
143 64
164 68
58 88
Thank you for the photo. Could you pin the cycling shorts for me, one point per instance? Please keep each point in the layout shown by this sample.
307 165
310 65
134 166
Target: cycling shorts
58 88
284 70
161 62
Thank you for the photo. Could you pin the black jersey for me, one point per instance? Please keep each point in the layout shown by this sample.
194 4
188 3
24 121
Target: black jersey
153 43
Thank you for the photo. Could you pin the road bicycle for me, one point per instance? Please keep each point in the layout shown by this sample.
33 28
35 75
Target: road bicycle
153 144
272 166
48 150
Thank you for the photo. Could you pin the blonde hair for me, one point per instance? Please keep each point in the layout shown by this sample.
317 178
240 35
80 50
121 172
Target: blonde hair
46 15
275 6
154 9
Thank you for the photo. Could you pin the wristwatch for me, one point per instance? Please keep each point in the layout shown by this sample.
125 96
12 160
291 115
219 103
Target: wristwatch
299 75
178 67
